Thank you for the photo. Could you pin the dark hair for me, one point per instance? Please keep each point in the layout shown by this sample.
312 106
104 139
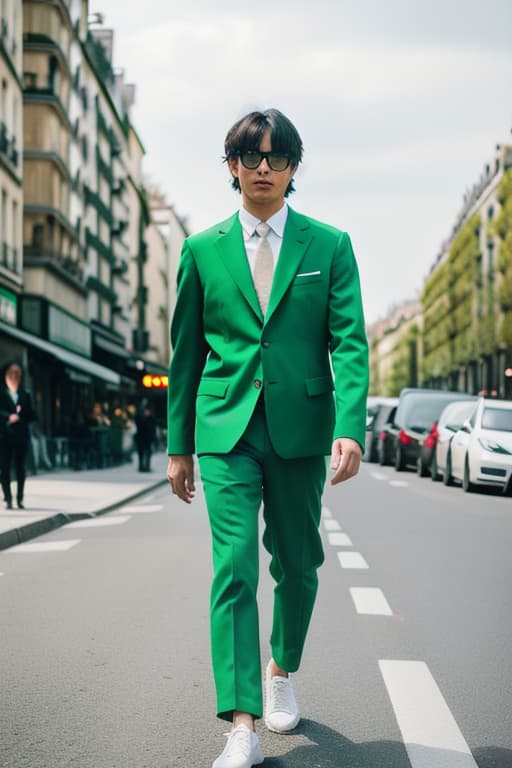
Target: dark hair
248 132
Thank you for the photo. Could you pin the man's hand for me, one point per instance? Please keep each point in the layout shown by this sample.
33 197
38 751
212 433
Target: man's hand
180 473
13 418
345 459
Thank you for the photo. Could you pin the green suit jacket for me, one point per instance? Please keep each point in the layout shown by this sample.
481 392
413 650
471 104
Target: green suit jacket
225 354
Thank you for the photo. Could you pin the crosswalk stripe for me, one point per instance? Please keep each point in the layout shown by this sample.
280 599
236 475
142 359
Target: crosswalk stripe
352 560
43 546
339 540
326 512
370 600
99 522
332 525
429 731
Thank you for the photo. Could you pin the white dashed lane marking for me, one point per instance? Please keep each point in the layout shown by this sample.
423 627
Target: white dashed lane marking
43 546
352 560
399 483
326 512
135 508
99 522
377 476
429 731
339 540
331 525
370 600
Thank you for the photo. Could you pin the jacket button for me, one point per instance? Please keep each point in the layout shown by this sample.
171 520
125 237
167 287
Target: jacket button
257 383
265 344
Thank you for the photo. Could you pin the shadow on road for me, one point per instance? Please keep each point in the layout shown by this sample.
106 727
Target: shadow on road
329 749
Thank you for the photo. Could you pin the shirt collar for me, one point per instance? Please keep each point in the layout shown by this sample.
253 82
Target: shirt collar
276 222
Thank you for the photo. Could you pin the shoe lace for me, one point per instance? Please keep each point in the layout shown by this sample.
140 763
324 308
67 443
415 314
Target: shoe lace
239 740
282 695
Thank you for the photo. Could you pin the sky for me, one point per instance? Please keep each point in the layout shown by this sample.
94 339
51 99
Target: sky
399 104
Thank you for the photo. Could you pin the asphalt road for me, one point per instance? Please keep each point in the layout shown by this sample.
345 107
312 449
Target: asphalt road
104 647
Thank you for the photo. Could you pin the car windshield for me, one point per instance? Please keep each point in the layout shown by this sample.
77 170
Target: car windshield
420 411
456 414
497 418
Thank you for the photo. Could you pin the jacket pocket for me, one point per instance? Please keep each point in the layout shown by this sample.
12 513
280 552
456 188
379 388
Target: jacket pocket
306 280
319 385
213 387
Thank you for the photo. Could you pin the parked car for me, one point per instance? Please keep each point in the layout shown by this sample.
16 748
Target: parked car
416 412
450 421
481 450
386 439
377 414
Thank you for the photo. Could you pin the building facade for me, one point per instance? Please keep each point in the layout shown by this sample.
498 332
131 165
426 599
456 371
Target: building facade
395 350
467 297
11 167
78 248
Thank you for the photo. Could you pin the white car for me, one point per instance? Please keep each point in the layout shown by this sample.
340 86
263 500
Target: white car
450 421
481 451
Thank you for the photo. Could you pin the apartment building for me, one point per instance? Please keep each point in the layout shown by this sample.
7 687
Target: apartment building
11 168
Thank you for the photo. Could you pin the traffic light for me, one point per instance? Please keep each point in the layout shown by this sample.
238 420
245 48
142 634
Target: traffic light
154 382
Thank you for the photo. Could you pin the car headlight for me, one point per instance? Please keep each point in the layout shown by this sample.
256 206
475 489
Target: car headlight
493 446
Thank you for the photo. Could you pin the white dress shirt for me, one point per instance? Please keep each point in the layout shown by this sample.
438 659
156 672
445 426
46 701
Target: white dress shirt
275 236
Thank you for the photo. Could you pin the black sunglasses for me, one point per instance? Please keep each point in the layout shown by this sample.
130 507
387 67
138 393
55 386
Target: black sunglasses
276 160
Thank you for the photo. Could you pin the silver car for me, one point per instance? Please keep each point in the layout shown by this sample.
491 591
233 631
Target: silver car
450 421
481 451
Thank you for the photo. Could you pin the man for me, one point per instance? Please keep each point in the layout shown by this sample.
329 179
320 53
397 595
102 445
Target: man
265 300
16 413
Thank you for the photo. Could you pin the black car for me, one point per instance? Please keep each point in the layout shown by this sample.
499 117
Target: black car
386 439
416 413
377 414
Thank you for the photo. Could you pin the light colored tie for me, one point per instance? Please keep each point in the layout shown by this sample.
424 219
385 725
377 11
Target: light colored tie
263 267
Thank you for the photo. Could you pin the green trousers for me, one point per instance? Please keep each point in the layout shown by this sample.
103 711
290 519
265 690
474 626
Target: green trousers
235 484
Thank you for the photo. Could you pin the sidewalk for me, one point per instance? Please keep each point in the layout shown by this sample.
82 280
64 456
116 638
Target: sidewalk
53 499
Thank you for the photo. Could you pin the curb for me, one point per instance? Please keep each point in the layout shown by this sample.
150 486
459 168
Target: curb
46 524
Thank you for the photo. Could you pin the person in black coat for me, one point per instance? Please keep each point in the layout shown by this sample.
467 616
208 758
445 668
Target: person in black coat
145 435
16 413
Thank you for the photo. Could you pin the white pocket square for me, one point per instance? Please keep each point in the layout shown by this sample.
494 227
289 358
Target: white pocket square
308 274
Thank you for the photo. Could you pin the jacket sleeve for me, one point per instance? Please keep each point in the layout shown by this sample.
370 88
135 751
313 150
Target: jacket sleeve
348 344
189 351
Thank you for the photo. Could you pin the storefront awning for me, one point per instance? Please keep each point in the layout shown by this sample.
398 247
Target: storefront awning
65 356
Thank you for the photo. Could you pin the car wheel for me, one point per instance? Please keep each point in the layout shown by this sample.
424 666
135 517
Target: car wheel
434 474
466 481
447 477
399 461
381 455
421 469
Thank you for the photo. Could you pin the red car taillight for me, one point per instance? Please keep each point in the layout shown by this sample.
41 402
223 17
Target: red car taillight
382 436
431 439
404 437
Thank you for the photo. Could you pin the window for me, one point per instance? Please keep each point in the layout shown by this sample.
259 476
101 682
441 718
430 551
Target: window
3 102
38 236
3 217
14 238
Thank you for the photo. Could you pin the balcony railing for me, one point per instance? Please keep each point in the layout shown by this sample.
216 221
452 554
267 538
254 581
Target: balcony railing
8 145
60 261
9 258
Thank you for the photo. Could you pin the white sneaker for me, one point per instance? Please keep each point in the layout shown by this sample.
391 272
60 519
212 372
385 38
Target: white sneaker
242 750
281 710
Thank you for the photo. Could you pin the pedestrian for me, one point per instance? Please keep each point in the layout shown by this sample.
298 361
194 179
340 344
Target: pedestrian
145 435
266 300
16 413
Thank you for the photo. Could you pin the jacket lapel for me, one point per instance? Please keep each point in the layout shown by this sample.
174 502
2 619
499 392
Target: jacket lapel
296 239
231 246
